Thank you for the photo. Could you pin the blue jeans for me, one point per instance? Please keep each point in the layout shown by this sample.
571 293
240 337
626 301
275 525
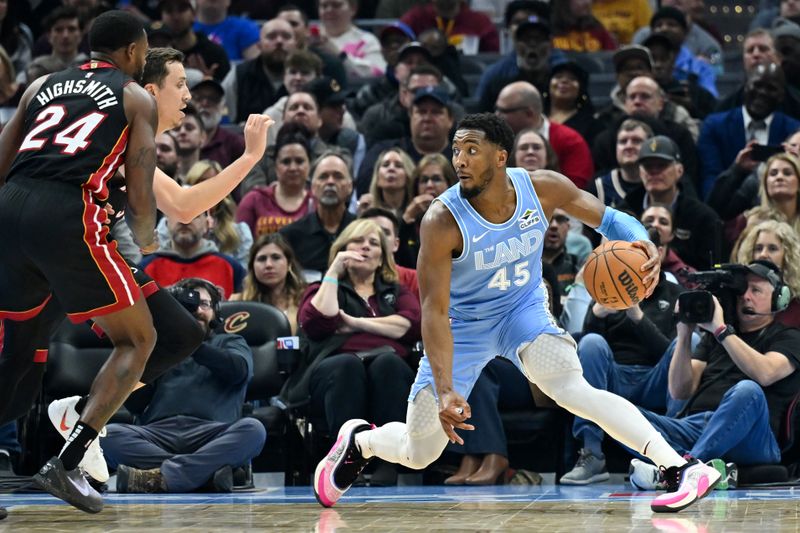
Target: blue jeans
644 386
8 438
738 430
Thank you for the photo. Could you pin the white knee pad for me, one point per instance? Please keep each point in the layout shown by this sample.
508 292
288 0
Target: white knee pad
549 356
426 437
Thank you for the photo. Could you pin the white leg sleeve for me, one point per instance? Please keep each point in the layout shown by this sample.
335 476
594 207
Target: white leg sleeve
552 363
414 444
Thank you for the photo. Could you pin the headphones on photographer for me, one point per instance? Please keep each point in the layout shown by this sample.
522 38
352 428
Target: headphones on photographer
781 294
180 292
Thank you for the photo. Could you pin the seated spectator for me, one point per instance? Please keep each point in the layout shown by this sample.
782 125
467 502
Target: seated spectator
576 29
688 93
191 255
567 100
612 187
391 186
222 145
64 31
332 130
644 100
268 208
167 154
520 104
10 90
446 58
533 152
390 225
177 17
630 61
459 23
190 432
627 353
359 49
237 35
254 85
297 18
724 134
778 243
500 387
700 55
433 175
16 37
622 17
697 228
659 216
738 383
274 277
431 119
529 61
555 251
190 137
357 327
311 236
232 238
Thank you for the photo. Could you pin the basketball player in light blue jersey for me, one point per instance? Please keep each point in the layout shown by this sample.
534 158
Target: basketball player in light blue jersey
480 279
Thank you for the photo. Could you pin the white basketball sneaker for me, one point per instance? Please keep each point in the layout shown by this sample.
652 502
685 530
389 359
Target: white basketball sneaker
63 416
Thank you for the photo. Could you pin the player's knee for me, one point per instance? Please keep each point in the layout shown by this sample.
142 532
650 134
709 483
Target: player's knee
419 459
565 389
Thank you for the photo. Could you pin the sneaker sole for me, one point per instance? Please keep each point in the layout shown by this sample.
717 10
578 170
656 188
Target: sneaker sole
346 429
666 508
45 485
597 478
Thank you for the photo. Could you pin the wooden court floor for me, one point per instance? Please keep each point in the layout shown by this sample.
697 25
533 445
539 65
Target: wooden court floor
598 508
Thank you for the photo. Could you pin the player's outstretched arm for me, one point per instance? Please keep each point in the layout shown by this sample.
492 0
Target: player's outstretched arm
11 136
557 191
140 163
185 203
440 238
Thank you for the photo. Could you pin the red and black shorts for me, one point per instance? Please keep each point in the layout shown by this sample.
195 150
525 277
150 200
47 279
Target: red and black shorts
53 242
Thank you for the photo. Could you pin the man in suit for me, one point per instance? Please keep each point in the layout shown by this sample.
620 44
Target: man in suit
724 134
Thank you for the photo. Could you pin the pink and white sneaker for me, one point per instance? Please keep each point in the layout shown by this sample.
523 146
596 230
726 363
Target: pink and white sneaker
685 485
340 468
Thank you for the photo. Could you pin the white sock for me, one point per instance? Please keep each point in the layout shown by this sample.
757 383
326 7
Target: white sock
661 453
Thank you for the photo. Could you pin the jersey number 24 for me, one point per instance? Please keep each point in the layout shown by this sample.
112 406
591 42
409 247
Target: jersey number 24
74 137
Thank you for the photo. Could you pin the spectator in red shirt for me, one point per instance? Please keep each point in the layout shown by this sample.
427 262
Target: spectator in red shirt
520 104
575 29
456 20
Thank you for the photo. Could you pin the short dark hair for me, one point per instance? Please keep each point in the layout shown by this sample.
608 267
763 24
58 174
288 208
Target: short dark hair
191 111
293 133
374 212
424 69
304 61
61 13
496 129
155 69
113 30
294 7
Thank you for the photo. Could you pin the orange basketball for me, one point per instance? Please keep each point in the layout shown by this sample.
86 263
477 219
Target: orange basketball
612 274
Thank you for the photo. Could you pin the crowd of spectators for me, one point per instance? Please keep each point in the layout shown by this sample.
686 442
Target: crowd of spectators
326 226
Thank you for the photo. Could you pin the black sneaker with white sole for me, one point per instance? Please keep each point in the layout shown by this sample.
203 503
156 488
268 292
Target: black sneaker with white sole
69 485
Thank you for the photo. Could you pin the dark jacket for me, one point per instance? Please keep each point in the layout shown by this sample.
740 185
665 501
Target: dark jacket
254 89
643 343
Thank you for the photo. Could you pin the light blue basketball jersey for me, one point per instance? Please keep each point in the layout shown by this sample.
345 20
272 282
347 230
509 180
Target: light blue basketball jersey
499 269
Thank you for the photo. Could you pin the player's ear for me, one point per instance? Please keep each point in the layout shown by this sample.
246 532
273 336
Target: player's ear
502 158
151 88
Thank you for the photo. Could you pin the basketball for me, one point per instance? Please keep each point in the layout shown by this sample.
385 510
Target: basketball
612 275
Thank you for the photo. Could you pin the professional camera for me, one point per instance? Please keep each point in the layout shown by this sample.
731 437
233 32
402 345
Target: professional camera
188 298
726 282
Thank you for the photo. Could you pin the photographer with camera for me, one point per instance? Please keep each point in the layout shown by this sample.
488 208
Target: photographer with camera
191 433
740 381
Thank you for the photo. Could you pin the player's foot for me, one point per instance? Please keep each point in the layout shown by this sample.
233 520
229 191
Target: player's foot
340 468
70 486
645 476
134 480
63 416
588 469
685 485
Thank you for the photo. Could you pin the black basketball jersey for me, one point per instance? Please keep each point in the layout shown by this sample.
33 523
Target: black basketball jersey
75 128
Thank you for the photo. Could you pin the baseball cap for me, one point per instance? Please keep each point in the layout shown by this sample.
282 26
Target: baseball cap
661 38
191 3
208 82
327 91
632 51
782 27
533 23
433 92
398 27
669 12
414 46
766 270
659 147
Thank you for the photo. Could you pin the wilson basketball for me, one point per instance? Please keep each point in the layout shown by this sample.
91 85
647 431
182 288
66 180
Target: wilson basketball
613 275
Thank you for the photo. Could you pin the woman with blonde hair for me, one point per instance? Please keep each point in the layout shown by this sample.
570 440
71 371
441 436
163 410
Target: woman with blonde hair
274 276
779 243
391 186
778 190
231 237
357 327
